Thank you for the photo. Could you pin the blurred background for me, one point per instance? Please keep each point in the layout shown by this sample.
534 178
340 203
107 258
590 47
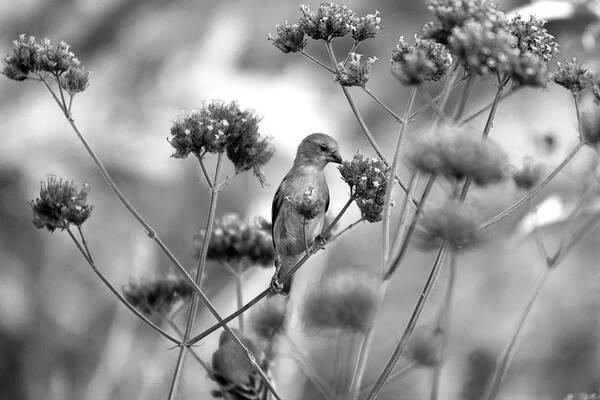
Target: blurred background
63 336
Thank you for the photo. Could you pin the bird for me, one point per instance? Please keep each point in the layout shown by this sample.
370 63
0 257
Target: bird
234 374
295 226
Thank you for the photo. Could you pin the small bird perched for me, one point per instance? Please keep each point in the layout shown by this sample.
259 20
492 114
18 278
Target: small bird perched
233 372
300 203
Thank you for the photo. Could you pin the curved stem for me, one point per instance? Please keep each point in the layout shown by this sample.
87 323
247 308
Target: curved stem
578 114
191 317
508 353
315 248
117 293
319 63
523 200
384 106
347 228
476 114
385 248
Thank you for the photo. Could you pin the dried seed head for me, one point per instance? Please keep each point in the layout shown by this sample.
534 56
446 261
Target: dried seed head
366 27
330 20
453 223
60 204
268 318
157 295
344 299
457 153
223 127
355 72
424 61
289 38
425 346
240 242
573 76
307 205
368 181
529 175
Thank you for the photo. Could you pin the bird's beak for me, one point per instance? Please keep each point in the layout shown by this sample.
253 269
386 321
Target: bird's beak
336 157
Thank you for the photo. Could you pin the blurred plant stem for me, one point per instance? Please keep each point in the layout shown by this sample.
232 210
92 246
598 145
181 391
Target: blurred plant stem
150 231
443 324
193 309
314 249
239 279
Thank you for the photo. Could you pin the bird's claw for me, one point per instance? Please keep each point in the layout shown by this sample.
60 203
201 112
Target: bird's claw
276 286
320 242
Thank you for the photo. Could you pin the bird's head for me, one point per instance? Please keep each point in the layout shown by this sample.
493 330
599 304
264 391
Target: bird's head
317 150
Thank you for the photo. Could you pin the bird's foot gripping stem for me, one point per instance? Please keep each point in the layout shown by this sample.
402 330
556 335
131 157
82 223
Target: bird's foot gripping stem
320 242
276 286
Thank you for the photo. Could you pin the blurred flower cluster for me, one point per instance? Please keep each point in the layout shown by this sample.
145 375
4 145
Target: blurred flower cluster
528 176
457 153
222 127
344 299
424 61
238 241
367 179
60 204
426 346
31 57
268 318
158 295
453 223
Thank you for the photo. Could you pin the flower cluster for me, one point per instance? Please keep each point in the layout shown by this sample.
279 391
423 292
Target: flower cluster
590 127
238 241
454 14
328 21
306 204
355 72
425 346
60 204
457 153
584 396
342 300
529 70
533 38
40 57
452 223
424 61
367 179
528 176
573 76
157 295
222 127
268 318
289 39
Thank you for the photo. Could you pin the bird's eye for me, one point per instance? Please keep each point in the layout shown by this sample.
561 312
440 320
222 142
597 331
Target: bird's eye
323 147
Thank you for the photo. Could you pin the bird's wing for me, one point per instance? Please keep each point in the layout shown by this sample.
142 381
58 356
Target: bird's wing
278 201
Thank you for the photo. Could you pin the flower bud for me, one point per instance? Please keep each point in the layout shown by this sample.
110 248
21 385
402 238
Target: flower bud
355 72
573 76
289 39
366 27
307 205
424 61
330 20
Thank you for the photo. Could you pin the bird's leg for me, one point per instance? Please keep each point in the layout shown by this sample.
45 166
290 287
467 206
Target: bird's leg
276 286
320 241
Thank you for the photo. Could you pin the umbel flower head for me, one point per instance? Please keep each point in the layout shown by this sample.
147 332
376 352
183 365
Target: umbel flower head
268 318
32 56
355 72
425 346
60 204
157 295
239 241
330 20
533 38
306 204
453 223
573 76
366 27
367 179
74 80
529 175
222 127
424 61
289 38
344 299
457 154
451 14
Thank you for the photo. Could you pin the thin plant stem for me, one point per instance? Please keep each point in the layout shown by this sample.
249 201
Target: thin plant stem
578 114
384 106
315 248
443 323
239 281
316 61
523 200
506 94
207 177
440 113
347 228
193 309
508 353
179 332
385 248
404 210
154 236
460 108
412 322
352 50
117 293
400 372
